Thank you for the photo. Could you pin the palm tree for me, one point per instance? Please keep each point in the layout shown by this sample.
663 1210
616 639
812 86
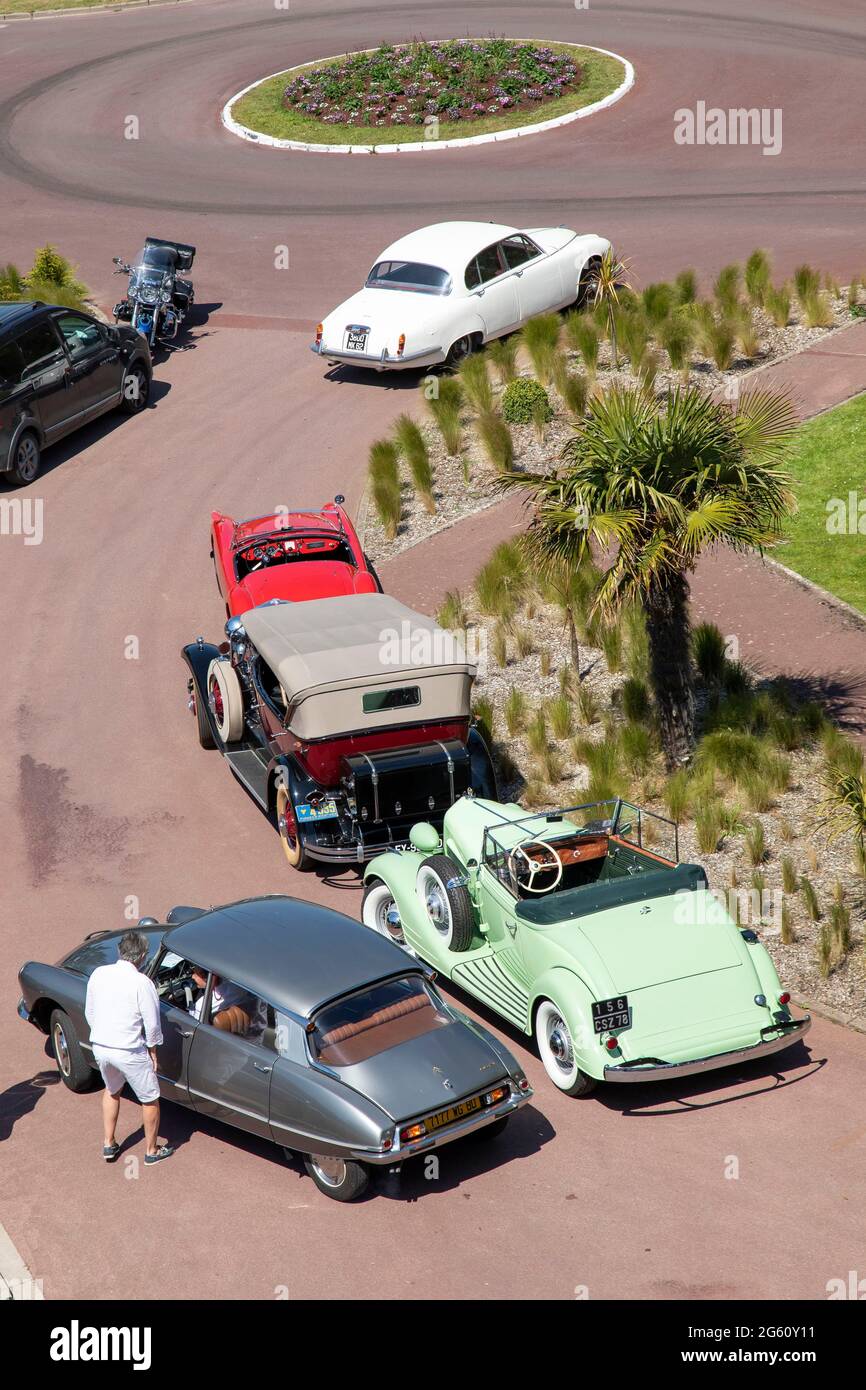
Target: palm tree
651 485
607 276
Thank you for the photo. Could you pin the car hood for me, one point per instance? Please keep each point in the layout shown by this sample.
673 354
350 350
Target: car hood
409 1080
651 943
299 580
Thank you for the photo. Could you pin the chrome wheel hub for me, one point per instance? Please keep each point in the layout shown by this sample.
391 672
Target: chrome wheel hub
331 1170
559 1042
61 1049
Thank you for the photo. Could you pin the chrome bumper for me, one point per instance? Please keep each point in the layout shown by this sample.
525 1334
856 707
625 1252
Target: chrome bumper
398 1155
655 1070
383 360
23 1011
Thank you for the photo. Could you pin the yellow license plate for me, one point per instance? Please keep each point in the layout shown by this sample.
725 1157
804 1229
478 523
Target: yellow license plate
455 1112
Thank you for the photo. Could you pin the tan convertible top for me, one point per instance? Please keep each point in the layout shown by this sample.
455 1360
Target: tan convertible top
359 640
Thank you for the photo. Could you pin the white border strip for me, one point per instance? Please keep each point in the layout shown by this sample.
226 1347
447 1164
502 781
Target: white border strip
417 146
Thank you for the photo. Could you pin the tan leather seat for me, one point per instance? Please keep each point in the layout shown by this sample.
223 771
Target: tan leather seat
233 1020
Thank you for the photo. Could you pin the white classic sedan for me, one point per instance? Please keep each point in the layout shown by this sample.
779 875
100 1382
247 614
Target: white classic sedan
439 293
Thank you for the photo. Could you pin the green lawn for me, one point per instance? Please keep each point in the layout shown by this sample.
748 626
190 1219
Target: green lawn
25 6
829 461
260 109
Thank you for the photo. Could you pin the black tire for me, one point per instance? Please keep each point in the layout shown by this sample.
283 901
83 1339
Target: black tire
492 1131
202 724
75 1070
451 913
135 389
463 348
348 1180
585 282
25 461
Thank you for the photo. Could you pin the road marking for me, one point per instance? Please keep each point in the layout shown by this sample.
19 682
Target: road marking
16 1281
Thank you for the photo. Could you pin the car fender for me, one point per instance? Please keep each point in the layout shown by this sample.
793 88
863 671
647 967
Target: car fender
399 870
765 972
198 657
467 322
568 991
29 422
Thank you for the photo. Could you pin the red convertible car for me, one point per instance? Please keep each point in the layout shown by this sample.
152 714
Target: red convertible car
291 556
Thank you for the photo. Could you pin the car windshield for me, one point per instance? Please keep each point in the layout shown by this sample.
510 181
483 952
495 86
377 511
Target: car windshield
374 1019
409 275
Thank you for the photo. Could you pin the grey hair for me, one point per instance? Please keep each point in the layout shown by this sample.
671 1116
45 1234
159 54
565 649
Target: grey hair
133 947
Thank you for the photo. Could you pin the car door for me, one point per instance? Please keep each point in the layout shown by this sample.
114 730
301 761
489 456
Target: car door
178 1033
539 284
96 369
230 1073
45 373
493 288
12 394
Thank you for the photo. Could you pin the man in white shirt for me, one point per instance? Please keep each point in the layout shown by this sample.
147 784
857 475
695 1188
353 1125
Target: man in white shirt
122 1009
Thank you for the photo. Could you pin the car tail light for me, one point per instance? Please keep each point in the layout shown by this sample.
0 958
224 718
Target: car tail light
401 343
611 1044
494 1097
412 1132
785 998
523 1084
319 330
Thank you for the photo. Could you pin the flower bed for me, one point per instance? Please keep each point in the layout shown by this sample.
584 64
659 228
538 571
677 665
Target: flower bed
460 87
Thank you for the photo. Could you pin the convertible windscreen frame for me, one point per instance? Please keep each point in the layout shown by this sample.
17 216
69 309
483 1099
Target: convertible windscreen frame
415 286
552 824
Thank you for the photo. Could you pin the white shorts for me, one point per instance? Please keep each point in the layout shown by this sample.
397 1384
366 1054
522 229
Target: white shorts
117 1064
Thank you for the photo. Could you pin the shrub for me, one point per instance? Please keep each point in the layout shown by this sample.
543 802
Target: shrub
12 283
708 828
384 478
475 380
721 341
635 700
726 289
817 311
501 583
587 704
524 641
561 717
633 337
806 282
573 387
520 398
545 661
686 286
413 447
548 765
733 753
824 951
676 794
536 731
636 748
743 325
535 794
599 758
445 409
582 335
484 718
496 439
708 650
499 645
50 268
610 641
636 642
515 710
452 613
810 899
790 882
786 930
756 844
757 276
540 337
658 300
755 787
503 357
677 337
777 303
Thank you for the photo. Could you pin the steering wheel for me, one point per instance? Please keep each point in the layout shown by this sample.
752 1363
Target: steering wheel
548 862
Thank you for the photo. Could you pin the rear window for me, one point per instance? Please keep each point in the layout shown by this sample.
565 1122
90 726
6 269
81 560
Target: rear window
375 1019
10 364
375 700
39 343
409 275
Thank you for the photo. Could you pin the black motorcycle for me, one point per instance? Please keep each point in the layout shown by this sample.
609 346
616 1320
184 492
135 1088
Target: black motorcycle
157 299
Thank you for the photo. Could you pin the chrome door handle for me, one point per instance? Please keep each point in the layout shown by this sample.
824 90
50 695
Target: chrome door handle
258 1067
186 1032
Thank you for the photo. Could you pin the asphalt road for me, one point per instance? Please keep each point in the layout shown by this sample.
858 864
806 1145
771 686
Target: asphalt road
109 805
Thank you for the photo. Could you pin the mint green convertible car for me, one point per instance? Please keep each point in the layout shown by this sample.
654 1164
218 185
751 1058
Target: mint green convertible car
619 959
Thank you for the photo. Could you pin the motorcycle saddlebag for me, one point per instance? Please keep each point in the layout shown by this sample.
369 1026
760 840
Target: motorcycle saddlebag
407 783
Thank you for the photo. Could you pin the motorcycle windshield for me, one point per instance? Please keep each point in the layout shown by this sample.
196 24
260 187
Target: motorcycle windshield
147 284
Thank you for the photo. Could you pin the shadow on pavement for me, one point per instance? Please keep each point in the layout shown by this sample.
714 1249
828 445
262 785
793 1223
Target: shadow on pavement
22 1098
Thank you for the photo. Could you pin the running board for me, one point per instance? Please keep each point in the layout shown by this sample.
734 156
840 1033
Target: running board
251 768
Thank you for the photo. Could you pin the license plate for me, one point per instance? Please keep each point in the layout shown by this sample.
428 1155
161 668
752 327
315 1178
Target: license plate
609 1014
326 810
454 1112
356 339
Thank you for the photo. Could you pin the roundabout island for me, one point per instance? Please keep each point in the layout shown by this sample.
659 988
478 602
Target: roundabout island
428 95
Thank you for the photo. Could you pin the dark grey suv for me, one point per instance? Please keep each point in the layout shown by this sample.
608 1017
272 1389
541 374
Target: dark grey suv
59 369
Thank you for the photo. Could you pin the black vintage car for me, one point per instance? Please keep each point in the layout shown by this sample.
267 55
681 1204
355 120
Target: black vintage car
348 719
336 1045
60 369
